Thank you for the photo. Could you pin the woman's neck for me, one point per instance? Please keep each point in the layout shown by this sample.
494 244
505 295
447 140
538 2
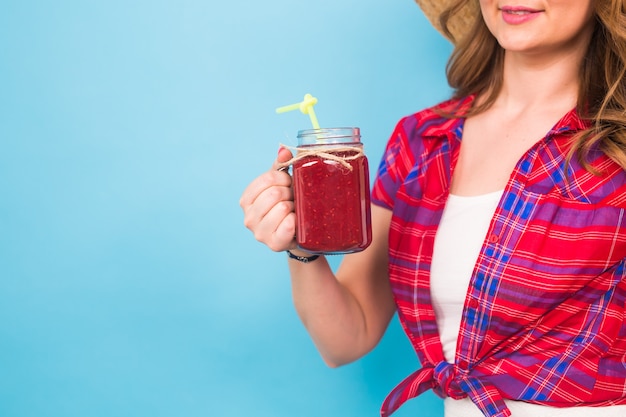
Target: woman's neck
540 82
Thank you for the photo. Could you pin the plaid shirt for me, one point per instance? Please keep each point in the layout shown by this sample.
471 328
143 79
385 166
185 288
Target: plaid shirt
544 318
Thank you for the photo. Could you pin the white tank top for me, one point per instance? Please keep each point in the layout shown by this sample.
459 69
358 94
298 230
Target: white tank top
460 236
458 241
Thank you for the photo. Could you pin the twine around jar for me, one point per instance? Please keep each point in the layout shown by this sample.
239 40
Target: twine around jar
323 152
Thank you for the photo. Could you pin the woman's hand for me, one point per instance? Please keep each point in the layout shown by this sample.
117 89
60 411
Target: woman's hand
268 206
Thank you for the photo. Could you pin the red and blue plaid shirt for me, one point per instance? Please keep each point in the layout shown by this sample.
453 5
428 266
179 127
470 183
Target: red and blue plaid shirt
544 318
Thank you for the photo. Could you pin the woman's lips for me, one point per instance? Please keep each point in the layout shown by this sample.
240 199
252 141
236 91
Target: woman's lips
518 15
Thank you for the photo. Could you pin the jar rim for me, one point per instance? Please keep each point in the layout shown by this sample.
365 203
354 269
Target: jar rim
332 132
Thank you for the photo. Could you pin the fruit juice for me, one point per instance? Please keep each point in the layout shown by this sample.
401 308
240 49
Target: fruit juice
332 202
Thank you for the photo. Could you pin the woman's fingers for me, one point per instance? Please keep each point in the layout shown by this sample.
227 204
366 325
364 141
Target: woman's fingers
268 206
277 228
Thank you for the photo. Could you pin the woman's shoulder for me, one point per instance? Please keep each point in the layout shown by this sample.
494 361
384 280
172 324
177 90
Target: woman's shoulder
452 106
439 120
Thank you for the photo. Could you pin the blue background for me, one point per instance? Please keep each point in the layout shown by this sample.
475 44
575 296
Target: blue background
128 130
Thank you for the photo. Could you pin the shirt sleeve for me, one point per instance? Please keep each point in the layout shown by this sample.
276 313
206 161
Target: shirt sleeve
394 166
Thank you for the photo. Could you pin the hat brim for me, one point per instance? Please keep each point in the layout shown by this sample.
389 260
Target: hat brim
459 24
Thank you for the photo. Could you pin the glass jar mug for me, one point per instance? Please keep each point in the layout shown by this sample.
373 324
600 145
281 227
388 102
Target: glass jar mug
331 191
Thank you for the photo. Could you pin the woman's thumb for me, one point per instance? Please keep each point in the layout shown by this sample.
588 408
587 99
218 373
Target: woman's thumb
283 156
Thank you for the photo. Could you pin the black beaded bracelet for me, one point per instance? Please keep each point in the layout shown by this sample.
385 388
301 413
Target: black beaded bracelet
303 259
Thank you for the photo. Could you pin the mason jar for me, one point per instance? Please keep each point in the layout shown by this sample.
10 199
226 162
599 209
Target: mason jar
331 191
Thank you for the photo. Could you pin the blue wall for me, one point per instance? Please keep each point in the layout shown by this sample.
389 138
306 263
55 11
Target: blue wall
128 130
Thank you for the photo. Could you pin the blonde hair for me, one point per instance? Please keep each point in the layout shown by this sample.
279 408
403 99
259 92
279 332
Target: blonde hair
476 67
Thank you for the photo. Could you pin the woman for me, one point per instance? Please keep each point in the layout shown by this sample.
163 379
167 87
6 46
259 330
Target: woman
523 311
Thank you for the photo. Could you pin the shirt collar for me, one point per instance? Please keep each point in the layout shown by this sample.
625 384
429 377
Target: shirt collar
453 128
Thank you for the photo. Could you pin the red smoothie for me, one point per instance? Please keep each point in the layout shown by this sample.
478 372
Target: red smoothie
332 203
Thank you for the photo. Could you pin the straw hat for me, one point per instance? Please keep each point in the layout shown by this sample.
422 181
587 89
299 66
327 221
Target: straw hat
459 24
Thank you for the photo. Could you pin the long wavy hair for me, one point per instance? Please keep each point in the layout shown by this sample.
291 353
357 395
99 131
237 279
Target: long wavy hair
476 67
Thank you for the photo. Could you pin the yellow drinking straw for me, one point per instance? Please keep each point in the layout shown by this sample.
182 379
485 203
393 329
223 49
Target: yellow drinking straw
305 106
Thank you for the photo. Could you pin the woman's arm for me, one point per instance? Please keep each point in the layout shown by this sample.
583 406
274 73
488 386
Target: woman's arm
345 313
